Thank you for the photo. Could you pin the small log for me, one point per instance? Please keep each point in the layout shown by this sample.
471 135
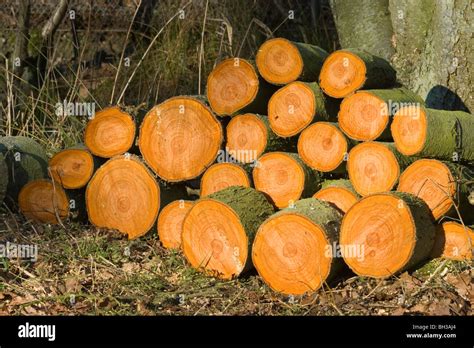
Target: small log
285 178
219 230
349 70
442 185
294 249
111 132
295 106
281 61
375 167
385 234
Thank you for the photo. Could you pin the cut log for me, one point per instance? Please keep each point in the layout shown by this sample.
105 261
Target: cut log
73 167
454 241
366 115
235 87
293 107
323 147
44 201
219 230
285 178
123 195
385 234
440 134
110 132
375 167
3 178
180 138
170 223
338 192
26 160
222 175
280 61
442 185
349 70
249 136
295 249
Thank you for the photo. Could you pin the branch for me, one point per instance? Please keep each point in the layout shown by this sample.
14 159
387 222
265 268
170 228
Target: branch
53 22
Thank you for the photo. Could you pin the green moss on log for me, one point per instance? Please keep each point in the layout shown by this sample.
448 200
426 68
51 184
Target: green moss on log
26 160
250 205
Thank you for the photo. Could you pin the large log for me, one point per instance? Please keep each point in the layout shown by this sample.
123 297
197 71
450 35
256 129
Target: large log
281 61
219 230
110 132
388 233
249 136
366 115
235 87
442 185
293 107
124 195
26 160
423 132
295 249
349 70
375 167
180 138
285 178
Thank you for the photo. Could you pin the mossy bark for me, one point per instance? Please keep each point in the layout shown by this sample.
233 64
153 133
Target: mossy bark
312 178
275 142
313 58
26 160
252 208
464 178
394 99
449 136
340 183
325 216
424 228
326 107
365 24
403 161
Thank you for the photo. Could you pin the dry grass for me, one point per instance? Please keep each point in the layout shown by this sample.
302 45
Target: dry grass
85 270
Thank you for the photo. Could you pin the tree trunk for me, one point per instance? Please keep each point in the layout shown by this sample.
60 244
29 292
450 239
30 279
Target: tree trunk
417 35
338 192
365 24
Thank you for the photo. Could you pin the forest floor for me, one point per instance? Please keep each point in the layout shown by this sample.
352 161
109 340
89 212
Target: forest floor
82 270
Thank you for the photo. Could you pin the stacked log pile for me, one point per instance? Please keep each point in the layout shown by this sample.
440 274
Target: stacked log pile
325 155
